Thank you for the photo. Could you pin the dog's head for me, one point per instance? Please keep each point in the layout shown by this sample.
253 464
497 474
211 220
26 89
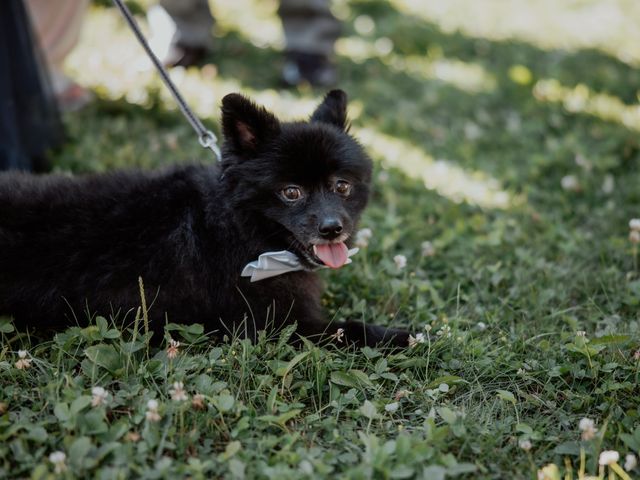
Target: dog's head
309 181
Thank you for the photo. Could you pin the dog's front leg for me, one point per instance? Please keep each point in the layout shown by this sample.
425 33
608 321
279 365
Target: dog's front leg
354 333
362 334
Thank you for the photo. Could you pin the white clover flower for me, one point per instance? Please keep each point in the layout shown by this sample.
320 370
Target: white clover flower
472 131
445 331
588 428
58 458
362 237
581 161
178 393
549 472
98 396
23 362
570 183
634 236
588 434
586 424
608 184
197 402
608 457
414 341
401 394
152 414
391 407
428 250
634 224
481 326
339 335
400 261
630 462
525 445
172 349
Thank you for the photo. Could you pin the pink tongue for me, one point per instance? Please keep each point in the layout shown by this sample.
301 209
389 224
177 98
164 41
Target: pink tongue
333 255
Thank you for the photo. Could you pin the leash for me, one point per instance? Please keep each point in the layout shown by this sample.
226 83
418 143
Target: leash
206 138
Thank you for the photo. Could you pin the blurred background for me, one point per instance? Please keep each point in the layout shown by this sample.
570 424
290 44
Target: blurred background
463 95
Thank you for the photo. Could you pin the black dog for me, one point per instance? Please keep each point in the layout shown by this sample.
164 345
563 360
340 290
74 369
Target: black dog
79 244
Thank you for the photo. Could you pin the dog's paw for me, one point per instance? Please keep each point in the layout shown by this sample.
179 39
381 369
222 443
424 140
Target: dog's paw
374 335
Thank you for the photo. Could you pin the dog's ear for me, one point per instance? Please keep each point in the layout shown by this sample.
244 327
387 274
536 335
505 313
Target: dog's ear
332 110
246 126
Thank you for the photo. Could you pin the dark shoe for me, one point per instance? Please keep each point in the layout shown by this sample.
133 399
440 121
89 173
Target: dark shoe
184 56
311 68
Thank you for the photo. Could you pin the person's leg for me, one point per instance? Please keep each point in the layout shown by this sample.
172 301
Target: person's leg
309 26
193 37
310 31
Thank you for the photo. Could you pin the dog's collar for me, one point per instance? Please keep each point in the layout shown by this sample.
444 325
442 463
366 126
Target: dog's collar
270 264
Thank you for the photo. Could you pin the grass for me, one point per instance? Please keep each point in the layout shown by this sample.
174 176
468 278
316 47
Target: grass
475 127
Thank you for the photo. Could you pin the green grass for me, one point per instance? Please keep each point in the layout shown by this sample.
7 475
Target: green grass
490 121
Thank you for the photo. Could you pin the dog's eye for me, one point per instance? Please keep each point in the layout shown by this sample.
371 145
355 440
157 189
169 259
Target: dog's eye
343 188
292 193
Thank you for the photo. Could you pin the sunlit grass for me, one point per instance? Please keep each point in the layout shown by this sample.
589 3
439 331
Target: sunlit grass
443 176
123 71
255 19
609 25
470 77
582 99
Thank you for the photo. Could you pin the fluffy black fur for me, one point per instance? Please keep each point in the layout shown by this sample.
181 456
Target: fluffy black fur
74 244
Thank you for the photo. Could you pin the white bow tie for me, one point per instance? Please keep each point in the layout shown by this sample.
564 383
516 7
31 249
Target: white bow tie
270 264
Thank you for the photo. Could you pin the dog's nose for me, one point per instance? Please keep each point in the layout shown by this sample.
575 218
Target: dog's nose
330 227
